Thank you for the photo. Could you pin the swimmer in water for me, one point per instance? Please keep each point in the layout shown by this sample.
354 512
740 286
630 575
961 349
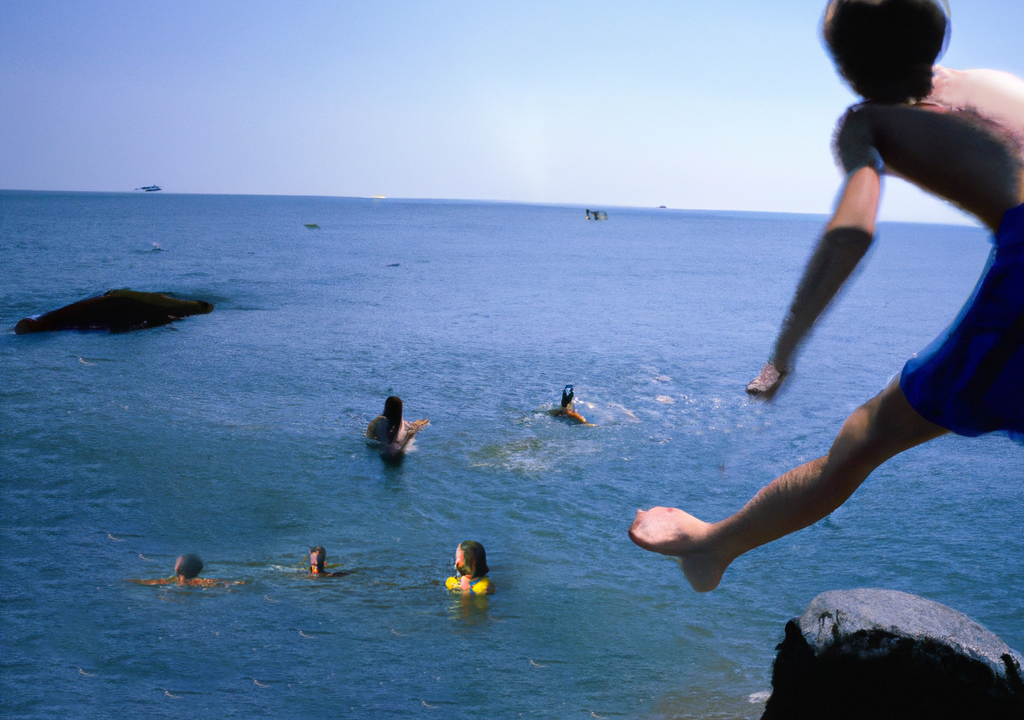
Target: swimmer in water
317 558
186 572
471 566
960 136
568 408
391 431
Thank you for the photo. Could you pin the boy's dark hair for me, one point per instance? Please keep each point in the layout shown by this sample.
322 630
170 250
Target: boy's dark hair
473 553
188 566
393 412
886 48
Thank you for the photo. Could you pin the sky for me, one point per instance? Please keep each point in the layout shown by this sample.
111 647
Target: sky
696 105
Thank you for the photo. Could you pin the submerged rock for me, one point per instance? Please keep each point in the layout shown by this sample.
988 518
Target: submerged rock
886 654
115 310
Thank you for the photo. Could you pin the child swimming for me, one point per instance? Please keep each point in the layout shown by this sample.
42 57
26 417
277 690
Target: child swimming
471 566
568 407
391 431
317 560
186 572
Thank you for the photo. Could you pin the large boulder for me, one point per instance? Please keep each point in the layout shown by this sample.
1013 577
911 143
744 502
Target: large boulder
115 310
882 654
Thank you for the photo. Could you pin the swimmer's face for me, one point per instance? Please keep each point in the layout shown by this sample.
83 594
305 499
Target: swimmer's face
316 560
460 562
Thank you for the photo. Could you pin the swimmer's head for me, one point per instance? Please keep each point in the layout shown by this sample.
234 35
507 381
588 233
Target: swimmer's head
567 396
885 49
393 412
317 558
188 566
471 559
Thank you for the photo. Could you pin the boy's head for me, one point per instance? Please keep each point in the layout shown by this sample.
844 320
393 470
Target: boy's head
393 409
471 559
188 566
393 412
317 558
886 48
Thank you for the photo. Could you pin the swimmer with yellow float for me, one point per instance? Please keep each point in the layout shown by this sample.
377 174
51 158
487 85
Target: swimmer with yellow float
568 408
471 566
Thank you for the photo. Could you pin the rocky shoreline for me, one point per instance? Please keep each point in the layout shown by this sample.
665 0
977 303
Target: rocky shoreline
882 654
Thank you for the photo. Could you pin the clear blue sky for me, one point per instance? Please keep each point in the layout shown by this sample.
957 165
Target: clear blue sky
714 105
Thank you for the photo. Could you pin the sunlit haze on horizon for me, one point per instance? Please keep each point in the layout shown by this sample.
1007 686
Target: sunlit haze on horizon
726 106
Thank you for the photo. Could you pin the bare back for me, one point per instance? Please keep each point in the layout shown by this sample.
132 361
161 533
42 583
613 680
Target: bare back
960 155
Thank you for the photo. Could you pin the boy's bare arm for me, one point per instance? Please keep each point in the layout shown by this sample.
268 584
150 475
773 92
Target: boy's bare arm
845 241
958 156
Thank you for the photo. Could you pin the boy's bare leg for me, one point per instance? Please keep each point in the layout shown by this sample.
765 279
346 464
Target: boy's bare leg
881 428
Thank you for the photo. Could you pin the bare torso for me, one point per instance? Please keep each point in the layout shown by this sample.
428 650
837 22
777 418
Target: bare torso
962 143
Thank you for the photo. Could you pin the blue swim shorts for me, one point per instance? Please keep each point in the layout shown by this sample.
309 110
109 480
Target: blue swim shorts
970 379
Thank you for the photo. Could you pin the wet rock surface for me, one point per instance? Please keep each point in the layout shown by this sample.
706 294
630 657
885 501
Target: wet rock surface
116 311
887 654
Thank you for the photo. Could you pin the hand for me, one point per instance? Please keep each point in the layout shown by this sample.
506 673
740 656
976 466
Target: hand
767 382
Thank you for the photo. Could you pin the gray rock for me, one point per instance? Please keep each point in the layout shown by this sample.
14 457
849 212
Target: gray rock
839 614
888 654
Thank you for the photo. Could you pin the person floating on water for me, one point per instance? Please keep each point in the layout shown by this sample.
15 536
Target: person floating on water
317 560
391 431
568 407
471 566
958 135
186 572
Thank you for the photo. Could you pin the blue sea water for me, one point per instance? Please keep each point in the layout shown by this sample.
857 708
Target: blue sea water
239 436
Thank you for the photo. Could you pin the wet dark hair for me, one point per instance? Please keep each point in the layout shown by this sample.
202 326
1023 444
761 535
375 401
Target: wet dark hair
886 48
393 412
321 557
188 566
473 553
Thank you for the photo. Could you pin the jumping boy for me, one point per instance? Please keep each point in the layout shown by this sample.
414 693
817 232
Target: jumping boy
962 140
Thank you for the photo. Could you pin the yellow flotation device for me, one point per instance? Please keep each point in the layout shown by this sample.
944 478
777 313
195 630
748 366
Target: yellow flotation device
576 416
483 586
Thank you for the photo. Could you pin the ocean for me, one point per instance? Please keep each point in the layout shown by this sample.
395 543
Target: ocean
238 436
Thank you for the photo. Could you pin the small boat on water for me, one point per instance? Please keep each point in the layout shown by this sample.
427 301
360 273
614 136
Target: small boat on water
149 188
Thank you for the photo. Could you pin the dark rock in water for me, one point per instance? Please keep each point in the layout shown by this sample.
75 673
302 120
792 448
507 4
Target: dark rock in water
883 654
117 311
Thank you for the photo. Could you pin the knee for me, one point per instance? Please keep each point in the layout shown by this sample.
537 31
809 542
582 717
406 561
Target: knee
862 441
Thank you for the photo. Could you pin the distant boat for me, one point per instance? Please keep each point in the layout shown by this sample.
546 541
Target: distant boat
378 197
149 188
312 226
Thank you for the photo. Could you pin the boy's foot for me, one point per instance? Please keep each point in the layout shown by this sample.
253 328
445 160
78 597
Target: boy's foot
670 531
